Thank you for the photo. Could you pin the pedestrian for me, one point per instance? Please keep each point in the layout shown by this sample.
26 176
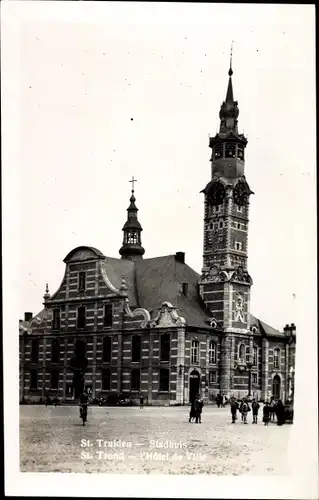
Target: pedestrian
266 413
233 409
198 409
280 412
244 409
223 400
255 408
218 400
272 409
192 413
141 401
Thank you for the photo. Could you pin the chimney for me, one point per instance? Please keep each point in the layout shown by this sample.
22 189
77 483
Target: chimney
180 257
28 316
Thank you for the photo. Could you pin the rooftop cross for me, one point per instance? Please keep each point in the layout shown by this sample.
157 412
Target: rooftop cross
132 181
231 60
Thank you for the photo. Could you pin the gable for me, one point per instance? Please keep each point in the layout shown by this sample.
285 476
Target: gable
83 253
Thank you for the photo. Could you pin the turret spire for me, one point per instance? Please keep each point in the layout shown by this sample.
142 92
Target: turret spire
132 245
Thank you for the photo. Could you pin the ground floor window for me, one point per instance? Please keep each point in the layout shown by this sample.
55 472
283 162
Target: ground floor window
33 380
135 379
254 378
54 379
164 380
106 380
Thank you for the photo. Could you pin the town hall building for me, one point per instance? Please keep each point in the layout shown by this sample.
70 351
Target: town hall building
155 326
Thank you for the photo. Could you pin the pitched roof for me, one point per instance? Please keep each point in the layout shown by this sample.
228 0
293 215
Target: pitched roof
160 279
116 269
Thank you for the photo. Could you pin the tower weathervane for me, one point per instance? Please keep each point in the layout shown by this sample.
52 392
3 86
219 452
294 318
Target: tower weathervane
132 181
230 72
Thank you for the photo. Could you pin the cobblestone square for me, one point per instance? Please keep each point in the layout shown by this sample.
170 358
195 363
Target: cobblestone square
149 440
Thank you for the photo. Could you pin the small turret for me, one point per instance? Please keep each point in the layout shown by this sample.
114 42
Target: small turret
132 244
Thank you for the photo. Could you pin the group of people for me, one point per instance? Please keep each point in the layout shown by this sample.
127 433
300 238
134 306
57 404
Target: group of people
196 410
269 410
221 400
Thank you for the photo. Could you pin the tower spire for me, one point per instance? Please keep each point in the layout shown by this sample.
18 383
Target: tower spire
229 93
132 244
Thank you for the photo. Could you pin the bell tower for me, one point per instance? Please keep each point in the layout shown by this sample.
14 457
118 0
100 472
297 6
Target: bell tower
132 243
225 283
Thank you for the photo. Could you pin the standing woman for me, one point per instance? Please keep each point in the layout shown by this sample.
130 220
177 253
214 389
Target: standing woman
280 412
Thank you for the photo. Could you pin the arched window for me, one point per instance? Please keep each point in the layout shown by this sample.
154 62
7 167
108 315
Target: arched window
241 351
277 358
195 351
212 352
255 356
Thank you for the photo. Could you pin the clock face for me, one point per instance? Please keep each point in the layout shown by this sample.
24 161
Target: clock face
216 194
240 194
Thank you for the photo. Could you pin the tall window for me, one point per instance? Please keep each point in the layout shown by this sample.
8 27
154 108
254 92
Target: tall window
255 358
55 351
136 348
277 358
33 380
164 380
82 281
35 351
81 317
195 351
238 246
247 357
165 346
106 379
254 378
80 349
107 349
241 351
212 352
212 377
108 315
54 379
56 319
135 379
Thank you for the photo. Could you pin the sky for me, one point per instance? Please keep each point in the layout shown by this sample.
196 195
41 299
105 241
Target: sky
109 91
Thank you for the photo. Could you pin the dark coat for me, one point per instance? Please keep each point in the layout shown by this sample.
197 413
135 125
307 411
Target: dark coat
266 413
255 407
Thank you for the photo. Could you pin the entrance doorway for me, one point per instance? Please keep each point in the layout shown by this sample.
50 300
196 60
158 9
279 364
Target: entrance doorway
276 387
194 383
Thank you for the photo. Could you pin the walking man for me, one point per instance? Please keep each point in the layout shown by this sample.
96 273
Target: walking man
233 409
198 409
244 409
255 408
